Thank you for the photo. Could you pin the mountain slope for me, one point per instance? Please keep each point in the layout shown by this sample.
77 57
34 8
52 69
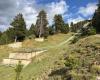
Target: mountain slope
49 65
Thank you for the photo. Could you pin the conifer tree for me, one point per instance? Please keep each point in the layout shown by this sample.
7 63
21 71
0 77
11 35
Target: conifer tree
19 27
7 36
51 30
60 25
32 30
41 24
72 27
65 29
58 22
96 19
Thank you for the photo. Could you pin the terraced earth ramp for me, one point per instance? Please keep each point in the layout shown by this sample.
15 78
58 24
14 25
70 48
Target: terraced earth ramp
24 57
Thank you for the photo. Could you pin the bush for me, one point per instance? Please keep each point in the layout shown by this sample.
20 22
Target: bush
92 32
46 33
30 37
51 30
71 62
65 29
74 40
18 70
4 39
86 31
95 69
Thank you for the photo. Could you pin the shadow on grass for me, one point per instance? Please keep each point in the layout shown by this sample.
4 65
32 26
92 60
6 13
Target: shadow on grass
60 74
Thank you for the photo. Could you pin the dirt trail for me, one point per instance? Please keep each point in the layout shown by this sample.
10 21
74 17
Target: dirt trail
97 35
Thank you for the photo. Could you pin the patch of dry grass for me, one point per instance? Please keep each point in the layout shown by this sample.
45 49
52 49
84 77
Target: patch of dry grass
51 41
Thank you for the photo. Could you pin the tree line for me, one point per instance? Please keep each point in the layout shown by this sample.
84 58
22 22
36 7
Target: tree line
18 31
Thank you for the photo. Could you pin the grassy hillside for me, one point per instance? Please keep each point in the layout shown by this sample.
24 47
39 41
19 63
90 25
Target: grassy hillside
31 43
39 63
83 57
4 51
50 42
51 62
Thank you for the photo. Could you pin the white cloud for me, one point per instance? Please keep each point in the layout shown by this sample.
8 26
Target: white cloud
30 15
75 20
88 10
3 27
10 8
30 10
56 8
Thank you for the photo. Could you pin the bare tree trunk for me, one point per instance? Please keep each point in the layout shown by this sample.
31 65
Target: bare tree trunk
40 33
15 38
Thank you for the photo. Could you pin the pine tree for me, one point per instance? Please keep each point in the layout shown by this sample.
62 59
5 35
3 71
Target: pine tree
72 27
41 24
7 36
58 22
19 27
32 30
4 39
96 19
65 29
51 30
11 34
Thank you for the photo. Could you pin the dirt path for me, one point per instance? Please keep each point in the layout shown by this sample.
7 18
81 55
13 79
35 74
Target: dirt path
97 35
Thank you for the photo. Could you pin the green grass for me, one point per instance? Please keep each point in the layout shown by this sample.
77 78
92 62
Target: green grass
4 51
51 41
42 63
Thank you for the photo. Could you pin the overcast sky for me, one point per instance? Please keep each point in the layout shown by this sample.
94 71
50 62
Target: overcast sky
71 10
